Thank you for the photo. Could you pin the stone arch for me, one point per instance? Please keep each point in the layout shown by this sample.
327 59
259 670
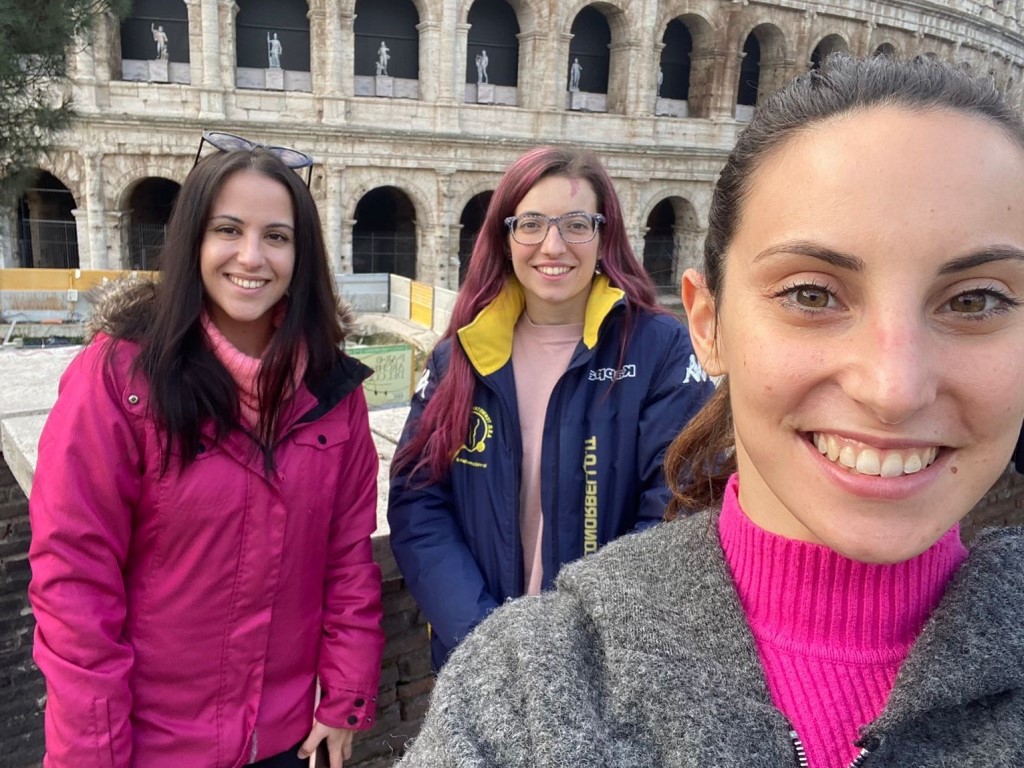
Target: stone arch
137 37
384 237
765 63
373 25
887 48
496 27
47 231
833 43
529 13
471 218
287 20
150 201
672 240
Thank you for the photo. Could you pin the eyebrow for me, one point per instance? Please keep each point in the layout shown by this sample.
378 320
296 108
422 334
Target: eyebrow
982 256
977 258
807 248
237 220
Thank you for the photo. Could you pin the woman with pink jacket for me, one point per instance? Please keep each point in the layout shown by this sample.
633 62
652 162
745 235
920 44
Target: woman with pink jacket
205 495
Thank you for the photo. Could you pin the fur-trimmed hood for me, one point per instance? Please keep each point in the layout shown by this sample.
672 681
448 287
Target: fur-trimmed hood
125 301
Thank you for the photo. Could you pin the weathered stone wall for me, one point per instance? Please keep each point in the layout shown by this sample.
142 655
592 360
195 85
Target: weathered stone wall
440 149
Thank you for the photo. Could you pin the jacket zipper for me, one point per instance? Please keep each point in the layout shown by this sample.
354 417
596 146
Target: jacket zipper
801 753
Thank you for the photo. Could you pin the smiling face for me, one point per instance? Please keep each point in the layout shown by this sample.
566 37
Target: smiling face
247 257
871 327
555 275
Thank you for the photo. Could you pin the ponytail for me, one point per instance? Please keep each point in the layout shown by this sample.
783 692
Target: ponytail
701 459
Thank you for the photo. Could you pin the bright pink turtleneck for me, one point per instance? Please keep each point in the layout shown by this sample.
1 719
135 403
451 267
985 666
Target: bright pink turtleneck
831 632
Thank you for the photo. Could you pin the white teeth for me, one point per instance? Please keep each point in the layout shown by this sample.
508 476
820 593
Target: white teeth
893 465
868 462
242 283
553 271
847 457
864 460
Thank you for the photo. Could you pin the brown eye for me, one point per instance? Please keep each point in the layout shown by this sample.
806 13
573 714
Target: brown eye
969 302
812 297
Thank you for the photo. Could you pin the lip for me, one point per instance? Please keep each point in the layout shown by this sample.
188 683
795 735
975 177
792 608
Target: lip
874 486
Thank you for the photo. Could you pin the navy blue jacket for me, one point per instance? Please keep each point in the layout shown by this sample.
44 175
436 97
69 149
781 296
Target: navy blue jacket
608 423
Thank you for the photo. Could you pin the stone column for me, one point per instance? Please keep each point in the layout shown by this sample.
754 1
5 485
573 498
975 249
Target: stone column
866 47
204 47
629 91
318 54
8 238
85 255
347 55
430 68
228 14
451 277
710 94
448 48
331 82
118 239
96 256
459 63
559 67
334 220
196 69
531 85
348 227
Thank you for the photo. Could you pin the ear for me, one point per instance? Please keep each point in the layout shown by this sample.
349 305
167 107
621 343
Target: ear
703 322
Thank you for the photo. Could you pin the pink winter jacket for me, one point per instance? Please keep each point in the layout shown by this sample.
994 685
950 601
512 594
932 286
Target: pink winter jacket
183 620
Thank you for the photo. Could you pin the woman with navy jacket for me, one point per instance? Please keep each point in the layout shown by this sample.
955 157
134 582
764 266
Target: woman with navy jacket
538 429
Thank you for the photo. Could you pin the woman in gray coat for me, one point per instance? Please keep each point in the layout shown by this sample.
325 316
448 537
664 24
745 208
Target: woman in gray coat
863 299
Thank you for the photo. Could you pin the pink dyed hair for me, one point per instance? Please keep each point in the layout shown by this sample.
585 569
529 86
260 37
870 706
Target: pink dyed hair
443 425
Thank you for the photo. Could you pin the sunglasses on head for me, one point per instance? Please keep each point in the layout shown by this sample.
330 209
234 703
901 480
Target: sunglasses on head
228 142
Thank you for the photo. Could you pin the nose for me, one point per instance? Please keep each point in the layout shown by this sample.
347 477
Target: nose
250 251
553 242
893 366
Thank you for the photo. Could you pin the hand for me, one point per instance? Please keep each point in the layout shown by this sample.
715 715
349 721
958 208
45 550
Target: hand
339 743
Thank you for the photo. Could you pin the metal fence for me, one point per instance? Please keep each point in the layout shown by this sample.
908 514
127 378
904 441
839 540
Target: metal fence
144 244
661 262
384 251
47 243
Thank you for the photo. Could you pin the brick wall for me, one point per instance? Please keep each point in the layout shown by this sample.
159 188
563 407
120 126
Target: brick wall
22 692
405 670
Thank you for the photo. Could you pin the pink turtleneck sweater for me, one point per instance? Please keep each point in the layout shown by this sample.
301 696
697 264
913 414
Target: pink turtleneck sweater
831 632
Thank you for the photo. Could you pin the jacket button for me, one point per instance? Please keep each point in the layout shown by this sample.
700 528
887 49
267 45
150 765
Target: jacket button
352 719
360 702
133 399
201 448
321 439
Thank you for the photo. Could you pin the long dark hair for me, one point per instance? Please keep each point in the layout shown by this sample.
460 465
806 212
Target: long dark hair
442 428
188 385
701 459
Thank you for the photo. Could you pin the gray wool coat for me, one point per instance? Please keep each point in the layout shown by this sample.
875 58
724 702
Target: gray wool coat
642 658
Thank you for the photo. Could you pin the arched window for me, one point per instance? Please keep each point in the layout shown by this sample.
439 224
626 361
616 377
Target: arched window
154 42
47 231
384 236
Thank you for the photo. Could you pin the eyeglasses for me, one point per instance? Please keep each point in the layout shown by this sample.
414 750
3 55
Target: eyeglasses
575 228
228 142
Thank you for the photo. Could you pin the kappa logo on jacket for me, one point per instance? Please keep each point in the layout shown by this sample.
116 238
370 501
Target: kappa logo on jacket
610 374
694 372
422 384
481 429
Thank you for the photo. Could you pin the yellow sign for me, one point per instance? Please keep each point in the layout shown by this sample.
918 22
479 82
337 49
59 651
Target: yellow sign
421 304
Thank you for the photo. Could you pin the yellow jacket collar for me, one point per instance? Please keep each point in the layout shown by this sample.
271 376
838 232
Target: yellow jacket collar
487 340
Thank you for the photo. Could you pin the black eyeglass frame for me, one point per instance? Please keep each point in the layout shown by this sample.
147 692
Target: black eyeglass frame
596 219
230 142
